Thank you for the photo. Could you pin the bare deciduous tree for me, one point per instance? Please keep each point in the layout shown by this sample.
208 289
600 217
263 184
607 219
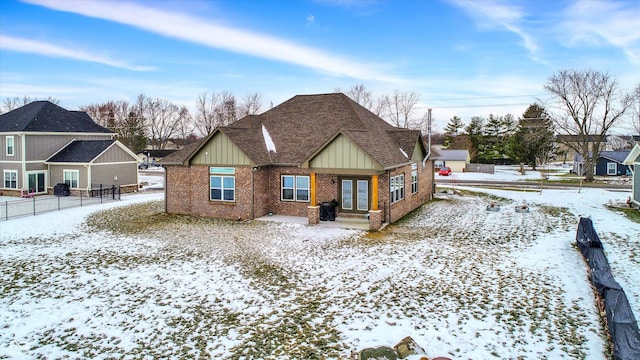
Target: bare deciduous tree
399 108
184 128
361 95
126 120
251 104
218 109
588 104
635 117
163 120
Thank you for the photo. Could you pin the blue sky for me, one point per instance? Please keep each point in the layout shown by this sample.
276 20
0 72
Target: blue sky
463 57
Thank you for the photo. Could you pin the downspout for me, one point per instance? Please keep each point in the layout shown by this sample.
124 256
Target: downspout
389 181
424 161
23 175
253 191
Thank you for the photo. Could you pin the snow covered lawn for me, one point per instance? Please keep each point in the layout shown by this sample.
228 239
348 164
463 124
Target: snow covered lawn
123 280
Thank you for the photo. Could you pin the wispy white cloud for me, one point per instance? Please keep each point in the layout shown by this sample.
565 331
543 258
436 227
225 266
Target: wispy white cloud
46 49
491 14
311 20
596 22
197 30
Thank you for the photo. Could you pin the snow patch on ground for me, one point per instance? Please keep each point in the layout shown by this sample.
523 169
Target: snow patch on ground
462 281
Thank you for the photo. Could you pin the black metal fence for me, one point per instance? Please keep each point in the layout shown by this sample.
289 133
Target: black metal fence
45 203
622 325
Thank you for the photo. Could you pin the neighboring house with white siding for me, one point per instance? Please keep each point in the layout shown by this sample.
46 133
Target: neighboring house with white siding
633 161
43 144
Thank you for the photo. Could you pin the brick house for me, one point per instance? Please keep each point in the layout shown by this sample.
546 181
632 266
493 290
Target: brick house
305 152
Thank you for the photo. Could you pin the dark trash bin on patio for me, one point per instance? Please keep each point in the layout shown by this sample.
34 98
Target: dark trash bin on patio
61 189
328 211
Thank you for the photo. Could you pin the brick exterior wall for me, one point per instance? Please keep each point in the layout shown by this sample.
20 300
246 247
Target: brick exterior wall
187 192
394 212
326 188
279 207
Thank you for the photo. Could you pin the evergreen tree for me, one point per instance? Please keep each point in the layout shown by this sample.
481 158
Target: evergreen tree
532 143
455 124
475 132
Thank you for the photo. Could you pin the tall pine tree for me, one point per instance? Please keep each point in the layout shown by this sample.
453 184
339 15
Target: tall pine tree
455 124
532 144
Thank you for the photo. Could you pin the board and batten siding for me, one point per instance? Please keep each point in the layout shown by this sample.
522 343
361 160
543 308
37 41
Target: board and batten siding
417 155
220 150
36 166
115 154
41 147
342 153
56 174
17 147
105 174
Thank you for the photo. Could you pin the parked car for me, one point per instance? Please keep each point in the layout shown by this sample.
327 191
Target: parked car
146 165
445 171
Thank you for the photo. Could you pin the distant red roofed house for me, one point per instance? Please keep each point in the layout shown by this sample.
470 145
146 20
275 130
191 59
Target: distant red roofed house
307 151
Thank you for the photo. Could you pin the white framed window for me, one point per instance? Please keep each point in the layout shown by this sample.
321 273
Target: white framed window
11 179
414 178
438 164
396 188
295 188
71 178
10 148
363 195
222 188
612 168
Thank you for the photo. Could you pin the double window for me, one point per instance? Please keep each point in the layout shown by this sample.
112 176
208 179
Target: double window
223 188
295 188
414 178
612 168
222 184
11 179
10 146
70 177
396 188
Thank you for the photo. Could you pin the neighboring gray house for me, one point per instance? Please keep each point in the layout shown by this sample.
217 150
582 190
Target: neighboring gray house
633 161
42 144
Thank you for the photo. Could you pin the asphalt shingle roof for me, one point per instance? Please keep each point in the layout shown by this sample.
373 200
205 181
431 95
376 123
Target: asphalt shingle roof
81 151
302 125
452 155
45 116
